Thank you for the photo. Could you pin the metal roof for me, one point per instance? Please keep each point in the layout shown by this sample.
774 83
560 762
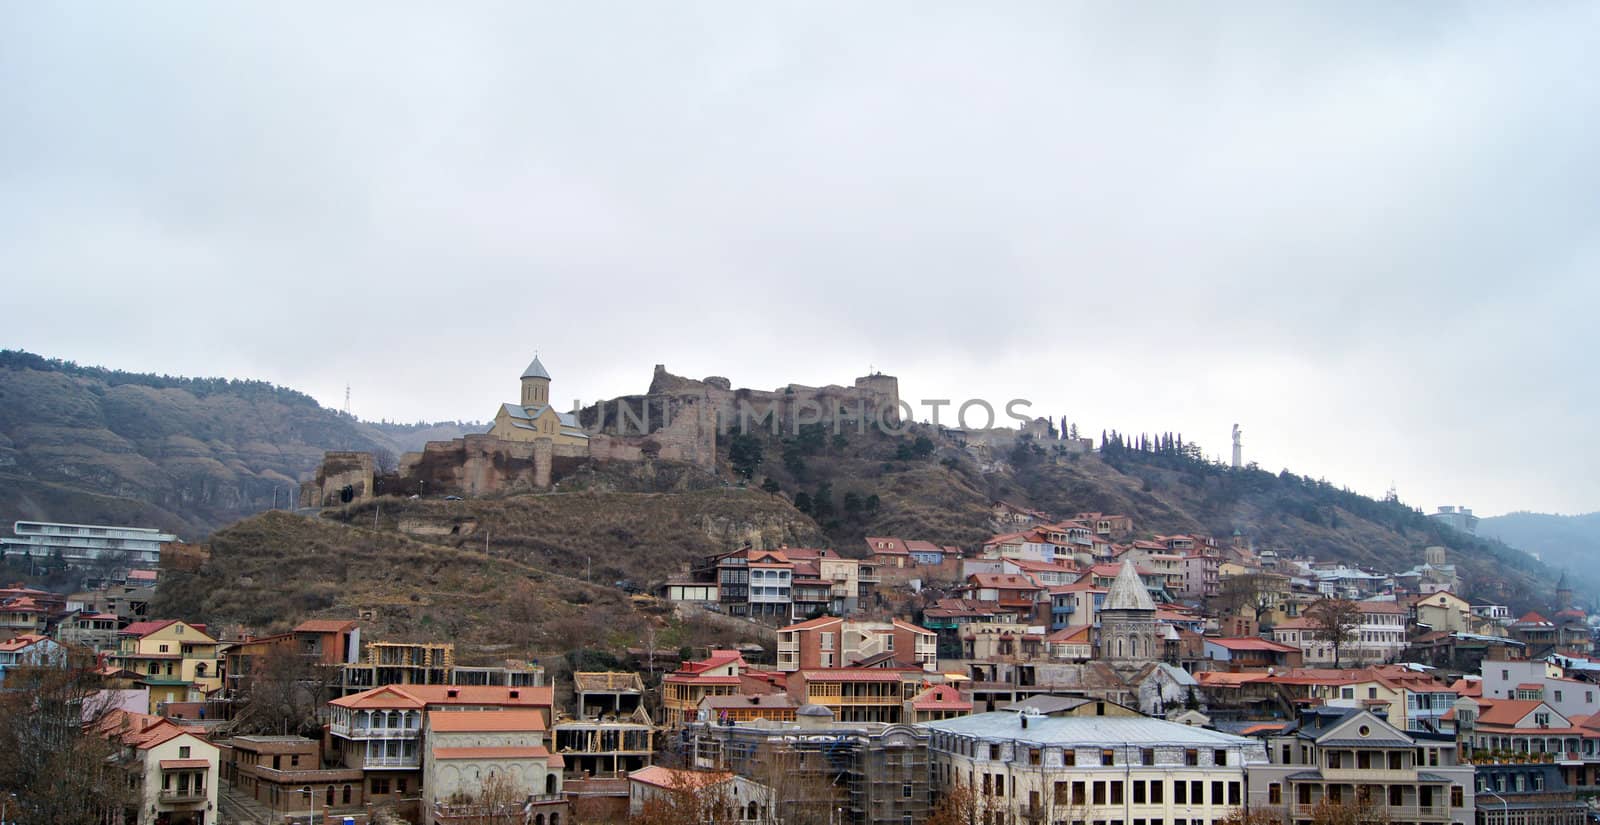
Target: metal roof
1085 731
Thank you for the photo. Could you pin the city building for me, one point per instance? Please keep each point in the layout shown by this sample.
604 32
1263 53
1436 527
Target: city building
829 641
1041 768
1522 794
173 769
286 775
481 765
380 731
683 689
1353 757
27 651
177 660
611 733
850 773
88 545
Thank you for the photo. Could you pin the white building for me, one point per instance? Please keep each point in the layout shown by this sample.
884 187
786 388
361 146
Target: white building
84 544
1381 636
173 770
1038 768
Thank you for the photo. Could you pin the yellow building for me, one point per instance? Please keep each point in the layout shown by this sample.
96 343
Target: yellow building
534 418
176 660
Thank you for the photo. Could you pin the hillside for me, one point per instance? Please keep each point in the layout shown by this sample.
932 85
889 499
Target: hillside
937 492
526 597
85 444
1567 543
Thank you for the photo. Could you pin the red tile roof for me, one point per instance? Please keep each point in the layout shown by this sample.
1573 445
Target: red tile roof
1252 643
941 697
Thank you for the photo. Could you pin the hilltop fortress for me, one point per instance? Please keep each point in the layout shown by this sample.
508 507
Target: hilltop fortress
531 445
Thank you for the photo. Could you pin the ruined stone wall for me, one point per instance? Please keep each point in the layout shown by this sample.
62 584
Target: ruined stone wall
343 468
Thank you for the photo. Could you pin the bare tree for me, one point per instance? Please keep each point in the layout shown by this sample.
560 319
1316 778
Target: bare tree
1335 621
692 797
59 769
1239 816
283 693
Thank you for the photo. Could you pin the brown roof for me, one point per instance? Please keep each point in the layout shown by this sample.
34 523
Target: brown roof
663 777
325 626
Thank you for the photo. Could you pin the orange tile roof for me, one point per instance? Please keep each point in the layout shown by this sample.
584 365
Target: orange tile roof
486 721
388 696
663 777
1505 712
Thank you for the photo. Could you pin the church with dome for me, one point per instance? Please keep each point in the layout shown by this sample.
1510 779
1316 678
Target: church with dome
533 417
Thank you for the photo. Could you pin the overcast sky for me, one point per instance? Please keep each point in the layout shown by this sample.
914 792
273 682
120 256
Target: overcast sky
1369 234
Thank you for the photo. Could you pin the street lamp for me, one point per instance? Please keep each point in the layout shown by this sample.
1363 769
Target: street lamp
311 804
1505 807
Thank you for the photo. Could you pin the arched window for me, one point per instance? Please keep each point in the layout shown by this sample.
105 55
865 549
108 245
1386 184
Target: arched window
330 796
550 783
346 795
555 819
538 820
750 811
1119 648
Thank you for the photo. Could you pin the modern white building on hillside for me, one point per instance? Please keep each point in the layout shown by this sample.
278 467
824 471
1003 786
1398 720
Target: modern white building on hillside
85 544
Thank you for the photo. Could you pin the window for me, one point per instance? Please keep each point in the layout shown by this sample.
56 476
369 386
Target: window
1372 693
1191 757
1157 794
1219 757
1116 793
1033 756
380 786
1180 793
1395 761
1138 793
1079 795
1107 757
294 759
1147 756
1216 794
1233 793
1538 781
183 751
1197 793
905 791
1275 794
994 753
163 649
1347 693
1069 757
1542 720
1558 696
1457 796
1099 793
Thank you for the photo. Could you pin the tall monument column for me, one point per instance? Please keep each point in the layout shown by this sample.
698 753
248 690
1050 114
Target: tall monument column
1238 451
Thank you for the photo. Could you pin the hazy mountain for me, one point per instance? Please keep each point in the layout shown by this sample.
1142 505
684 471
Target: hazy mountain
189 454
1569 543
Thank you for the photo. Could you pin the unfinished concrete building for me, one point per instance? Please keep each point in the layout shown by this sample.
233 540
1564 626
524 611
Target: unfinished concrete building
856 773
611 733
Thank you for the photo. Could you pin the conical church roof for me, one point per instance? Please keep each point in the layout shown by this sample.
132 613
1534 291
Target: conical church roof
536 370
1128 591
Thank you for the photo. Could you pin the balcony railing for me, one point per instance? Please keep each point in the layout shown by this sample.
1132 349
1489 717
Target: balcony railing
357 732
182 795
1387 813
413 761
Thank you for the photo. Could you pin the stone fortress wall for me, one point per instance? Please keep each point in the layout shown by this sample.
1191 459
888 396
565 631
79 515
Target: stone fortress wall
677 420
